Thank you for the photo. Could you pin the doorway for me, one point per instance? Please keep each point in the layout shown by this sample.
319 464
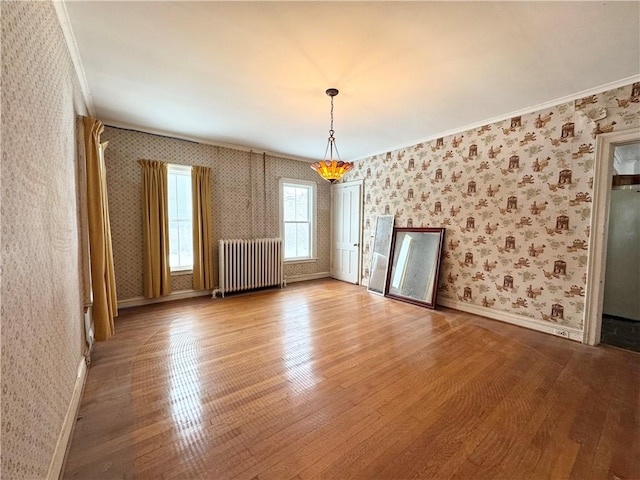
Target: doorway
621 306
612 310
346 201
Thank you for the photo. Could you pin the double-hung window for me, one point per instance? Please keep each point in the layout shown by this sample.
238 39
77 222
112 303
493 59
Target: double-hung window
298 219
180 218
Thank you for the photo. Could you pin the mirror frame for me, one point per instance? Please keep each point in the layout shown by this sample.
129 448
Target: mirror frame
382 221
438 257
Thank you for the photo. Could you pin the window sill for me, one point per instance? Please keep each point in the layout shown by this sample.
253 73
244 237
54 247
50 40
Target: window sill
175 273
300 260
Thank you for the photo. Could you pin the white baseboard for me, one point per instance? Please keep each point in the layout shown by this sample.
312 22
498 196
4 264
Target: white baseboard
178 295
64 438
305 277
515 319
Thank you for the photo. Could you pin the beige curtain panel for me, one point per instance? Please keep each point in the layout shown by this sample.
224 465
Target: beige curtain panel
155 226
103 283
202 237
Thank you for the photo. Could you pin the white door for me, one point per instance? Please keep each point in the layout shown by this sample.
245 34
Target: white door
345 254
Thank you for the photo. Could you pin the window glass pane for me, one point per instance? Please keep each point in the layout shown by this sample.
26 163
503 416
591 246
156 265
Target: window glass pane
183 194
171 194
180 218
302 204
174 259
297 216
289 203
186 244
302 240
289 240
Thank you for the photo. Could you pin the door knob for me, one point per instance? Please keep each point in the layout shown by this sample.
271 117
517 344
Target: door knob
356 244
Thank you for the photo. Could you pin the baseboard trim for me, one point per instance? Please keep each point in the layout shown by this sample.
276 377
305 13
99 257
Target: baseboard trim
178 295
515 319
306 276
64 439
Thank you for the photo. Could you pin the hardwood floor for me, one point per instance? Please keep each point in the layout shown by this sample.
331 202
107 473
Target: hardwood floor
324 380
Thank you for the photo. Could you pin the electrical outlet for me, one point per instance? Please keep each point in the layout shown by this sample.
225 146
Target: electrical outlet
561 333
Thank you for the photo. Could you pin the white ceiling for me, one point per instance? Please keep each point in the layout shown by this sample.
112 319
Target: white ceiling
254 74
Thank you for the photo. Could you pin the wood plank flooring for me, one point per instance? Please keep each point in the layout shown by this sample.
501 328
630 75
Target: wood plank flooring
324 380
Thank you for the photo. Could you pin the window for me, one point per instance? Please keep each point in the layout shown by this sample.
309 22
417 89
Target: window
297 219
180 218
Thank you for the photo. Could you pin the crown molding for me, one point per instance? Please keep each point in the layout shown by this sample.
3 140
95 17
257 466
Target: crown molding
164 133
65 24
524 111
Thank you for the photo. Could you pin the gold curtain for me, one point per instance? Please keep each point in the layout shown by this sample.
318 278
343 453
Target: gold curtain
155 226
103 283
202 238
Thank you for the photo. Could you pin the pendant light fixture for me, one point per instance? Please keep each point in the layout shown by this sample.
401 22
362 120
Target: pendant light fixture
331 169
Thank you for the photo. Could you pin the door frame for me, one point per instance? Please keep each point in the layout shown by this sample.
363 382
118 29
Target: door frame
360 183
599 232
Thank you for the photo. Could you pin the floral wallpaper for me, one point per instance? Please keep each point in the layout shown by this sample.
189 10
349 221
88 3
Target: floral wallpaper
515 198
41 287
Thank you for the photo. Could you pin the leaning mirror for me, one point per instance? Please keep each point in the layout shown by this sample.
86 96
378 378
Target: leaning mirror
380 254
415 265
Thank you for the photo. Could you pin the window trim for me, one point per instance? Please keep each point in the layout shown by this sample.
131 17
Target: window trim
313 186
183 170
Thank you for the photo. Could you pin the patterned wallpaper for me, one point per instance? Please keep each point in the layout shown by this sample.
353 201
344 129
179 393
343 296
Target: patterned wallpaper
41 279
515 198
244 196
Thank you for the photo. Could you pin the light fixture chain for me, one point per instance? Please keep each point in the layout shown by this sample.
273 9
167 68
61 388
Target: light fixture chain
331 129
331 145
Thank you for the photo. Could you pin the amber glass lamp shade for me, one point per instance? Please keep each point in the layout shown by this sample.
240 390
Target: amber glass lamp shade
331 170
